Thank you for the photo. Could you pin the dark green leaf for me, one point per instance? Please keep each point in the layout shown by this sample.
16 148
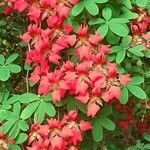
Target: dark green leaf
107 123
97 131
2 59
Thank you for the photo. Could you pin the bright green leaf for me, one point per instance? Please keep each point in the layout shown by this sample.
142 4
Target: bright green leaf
124 96
28 97
102 30
77 9
11 58
49 109
22 137
29 110
107 13
91 7
96 21
118 29
137 80
14 68
4 73
120 55
136 91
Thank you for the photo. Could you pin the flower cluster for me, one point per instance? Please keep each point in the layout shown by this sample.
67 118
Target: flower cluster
141 23
93 80
58 135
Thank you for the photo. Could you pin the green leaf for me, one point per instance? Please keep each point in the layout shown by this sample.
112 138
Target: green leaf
102 30
39 114
13 99
22 137
146 137
27 67
119 20
137 80
107 123
11 58
128 14
142 3
15 147
28 97
81 106
127 3
13 133
4 73
8 125
49 109
91 7
23 125
136 50
71 105
96 21
107 13
118 29
100 1
126 41
29 110
16 109
124 96
146 146
136 91
120 55
14 68
97 131
77 9
106 111
2 59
